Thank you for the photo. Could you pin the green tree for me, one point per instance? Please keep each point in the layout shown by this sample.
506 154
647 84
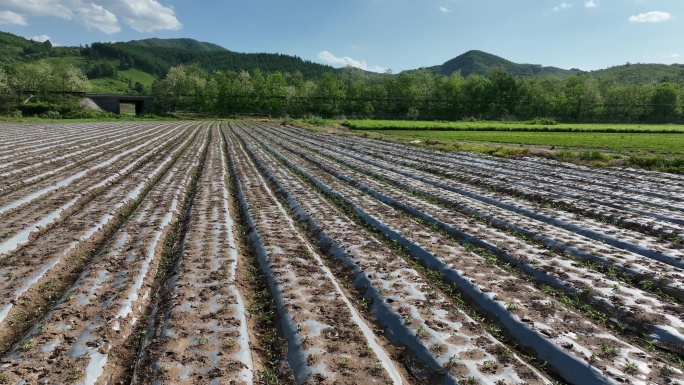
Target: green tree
541 97
583 98
450 89
182 88
4 82
331 93
276 87
626 102
476 92
33 77
667 102
504 92
69 78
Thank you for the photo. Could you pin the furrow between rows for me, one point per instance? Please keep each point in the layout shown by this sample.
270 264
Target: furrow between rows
641 311
200 333
32 218
34 191
54 166
44 144
636 267
327 338
59 160
636 243
559 336
90 335
444 338
534 184
558 238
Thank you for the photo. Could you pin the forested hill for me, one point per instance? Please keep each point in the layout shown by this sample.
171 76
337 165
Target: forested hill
182 44
156 56
481 63
16 48
640 73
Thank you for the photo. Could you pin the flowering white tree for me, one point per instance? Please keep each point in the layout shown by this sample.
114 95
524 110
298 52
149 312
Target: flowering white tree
42 76
4 82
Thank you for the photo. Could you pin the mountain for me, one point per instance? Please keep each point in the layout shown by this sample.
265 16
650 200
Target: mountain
156 56
481 63
16 48
182 44
640 73
12 46
117 67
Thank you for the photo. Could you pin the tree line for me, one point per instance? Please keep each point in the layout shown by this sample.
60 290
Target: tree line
417 95
41 87
41 77
357 94
157 60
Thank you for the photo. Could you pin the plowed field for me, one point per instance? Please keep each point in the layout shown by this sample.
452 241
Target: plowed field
252 253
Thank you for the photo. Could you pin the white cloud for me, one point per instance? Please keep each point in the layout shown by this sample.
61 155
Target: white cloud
444 9
41 38
103 15
651 17
7 17
146 15
96 16
591 4
57 8
44 38
674 55
562 6
328 58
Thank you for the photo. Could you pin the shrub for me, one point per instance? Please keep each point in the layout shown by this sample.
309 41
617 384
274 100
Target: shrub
565 155
594 155
511 152
88 114
35 108
315 120
658 163
412 113
15 114
50 115
543 122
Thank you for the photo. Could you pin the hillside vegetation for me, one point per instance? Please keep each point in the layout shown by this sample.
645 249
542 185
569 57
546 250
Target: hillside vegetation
192 76
155 56
182 44
640 73
480 63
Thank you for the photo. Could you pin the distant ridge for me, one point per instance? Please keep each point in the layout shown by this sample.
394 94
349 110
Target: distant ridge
481 63
184 44
155 56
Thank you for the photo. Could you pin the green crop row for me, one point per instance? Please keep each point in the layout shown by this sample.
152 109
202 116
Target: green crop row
375 125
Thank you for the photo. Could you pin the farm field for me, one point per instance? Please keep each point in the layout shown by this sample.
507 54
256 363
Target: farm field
253 253
662 144
511 126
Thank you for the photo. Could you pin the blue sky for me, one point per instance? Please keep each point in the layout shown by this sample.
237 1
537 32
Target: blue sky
377 34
